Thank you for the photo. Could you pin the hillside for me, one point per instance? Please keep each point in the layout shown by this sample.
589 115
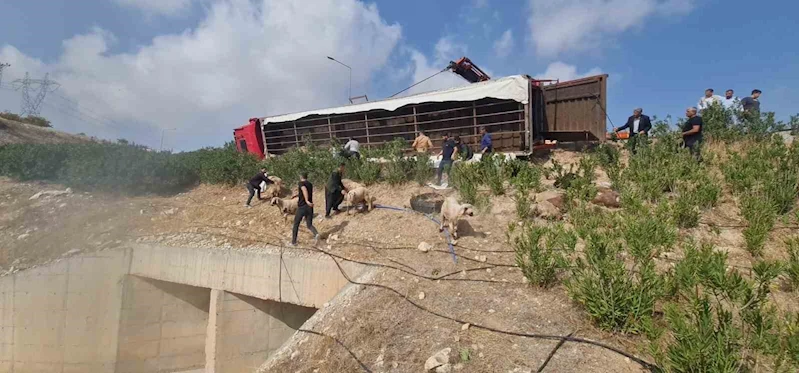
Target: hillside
12 132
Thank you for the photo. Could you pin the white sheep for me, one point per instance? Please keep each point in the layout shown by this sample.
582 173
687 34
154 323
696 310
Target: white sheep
272 190
358 196
451 212
287 206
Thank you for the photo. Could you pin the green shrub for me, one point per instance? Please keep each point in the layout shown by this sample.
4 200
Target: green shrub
616 297
705 339
792 266
760 214
223 165
491 172
647 233
421 168
686 211
98 166
542 253
523 175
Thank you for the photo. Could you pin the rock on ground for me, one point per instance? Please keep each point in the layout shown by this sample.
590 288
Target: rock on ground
438 359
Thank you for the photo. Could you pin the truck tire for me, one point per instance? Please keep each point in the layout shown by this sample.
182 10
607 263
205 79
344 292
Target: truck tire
427 203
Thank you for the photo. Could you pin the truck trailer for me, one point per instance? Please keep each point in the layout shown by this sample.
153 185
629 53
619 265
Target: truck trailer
520 112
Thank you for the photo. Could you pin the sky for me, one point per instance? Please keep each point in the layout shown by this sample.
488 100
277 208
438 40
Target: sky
192 70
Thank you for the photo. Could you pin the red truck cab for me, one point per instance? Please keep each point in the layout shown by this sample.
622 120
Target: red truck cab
249 138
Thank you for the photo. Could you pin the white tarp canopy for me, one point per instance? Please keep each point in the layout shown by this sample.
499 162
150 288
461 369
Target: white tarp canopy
515 87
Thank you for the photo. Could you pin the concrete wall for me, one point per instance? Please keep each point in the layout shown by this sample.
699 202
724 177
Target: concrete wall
304 279
85 314
163 327
62 317
244 331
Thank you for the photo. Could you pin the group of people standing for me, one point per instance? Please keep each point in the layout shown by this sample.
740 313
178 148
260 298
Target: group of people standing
452 148
639 124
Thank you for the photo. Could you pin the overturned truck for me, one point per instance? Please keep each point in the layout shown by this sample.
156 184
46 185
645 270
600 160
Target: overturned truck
520 112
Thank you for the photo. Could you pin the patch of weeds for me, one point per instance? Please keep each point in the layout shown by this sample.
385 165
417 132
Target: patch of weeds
616 297
577 181
465 354
491 170
760 215
421 168
542 252
588 218
705 339
726 323
647 233
782 189
792 266
524 208
686 211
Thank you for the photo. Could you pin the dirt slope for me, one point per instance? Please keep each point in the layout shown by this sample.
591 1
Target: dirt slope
12 132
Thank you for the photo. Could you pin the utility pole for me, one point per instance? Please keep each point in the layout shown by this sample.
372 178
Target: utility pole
161 148
33 92
347 66
3 66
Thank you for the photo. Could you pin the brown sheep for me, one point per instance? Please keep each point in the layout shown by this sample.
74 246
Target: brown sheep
451 212
358 196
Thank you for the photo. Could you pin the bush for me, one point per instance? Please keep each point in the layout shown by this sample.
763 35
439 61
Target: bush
542 253
30 119
617 298
98 166
760 214
223 165
792 267
491 172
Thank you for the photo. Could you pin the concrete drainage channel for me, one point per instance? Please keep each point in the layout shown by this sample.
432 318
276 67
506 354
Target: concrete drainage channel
157 309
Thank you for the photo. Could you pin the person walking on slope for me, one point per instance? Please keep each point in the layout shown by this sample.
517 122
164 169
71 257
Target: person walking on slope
304 209
422 143
335 191
708 100
254 185
448 150
751 105
486 146
692 132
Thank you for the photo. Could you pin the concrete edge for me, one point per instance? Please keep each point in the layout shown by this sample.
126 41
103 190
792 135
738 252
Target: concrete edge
340 302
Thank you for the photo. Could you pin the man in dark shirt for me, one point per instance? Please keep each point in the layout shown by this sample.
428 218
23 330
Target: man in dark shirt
254 185
463 149
304 209
692 132
751 105
448 150
334 191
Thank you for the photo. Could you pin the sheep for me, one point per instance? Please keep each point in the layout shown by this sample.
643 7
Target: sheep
451 212
357 196
286 205
272 190
350 185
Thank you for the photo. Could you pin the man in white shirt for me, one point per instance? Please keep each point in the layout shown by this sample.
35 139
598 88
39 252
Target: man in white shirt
729 101
708 99
351 148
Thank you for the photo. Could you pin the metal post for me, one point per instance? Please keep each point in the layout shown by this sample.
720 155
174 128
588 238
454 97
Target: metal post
296 138
415 125
349 97
161 147
474 119
366 121
329 128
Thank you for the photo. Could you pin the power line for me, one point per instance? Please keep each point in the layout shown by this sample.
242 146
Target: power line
33 92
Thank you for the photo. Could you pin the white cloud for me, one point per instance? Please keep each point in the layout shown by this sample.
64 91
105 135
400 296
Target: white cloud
578 25
479 4
564 71
162 7
242 60
504 45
